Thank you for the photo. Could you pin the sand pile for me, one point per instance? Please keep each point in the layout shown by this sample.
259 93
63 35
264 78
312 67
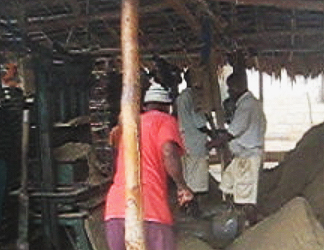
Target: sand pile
293 227
291 196
188 242
301 173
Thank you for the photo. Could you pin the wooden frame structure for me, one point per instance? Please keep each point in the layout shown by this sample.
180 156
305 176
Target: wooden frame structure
282 34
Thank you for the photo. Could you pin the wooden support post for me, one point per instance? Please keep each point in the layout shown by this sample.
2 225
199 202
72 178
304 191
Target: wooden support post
23 198
43 66
322 87
220 118
130 109
261 86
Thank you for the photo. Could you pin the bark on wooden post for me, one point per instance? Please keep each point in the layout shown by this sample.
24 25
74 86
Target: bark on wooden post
134 236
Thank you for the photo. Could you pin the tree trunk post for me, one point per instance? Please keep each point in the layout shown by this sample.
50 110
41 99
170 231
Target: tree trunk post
130 109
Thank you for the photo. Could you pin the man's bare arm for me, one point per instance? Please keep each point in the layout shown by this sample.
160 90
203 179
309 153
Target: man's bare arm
172 162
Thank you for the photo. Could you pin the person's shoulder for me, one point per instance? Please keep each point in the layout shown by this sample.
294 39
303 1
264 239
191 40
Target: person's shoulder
156 114
247 101
249 98
159 119
185 97
167 118
185 93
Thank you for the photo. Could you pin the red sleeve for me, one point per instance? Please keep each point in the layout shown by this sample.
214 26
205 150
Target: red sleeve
169 131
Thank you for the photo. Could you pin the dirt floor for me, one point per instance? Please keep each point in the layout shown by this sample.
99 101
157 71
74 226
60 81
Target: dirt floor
214 228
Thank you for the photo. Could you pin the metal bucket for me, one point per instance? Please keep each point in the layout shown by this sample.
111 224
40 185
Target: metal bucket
225 225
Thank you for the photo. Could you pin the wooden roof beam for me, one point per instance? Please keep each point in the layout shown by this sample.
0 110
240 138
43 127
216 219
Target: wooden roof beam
218 21
309 5
266 35
60 21
288 50
75 7
48 3
182 10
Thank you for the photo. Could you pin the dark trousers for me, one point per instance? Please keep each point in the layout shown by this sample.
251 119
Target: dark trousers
157 236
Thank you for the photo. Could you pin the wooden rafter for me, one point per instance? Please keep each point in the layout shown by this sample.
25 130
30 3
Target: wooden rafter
218 22
272 34
182 10
75 7
283 4
60 21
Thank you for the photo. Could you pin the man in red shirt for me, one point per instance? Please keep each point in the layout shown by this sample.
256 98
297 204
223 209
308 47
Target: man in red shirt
161 149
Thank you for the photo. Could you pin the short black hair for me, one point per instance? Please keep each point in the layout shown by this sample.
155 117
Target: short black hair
238 79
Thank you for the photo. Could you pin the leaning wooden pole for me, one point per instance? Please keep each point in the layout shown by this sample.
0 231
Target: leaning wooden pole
220 118
130 109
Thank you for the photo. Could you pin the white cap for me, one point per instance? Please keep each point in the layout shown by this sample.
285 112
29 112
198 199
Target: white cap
156 93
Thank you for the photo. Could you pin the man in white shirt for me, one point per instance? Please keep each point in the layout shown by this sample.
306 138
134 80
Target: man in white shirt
245 137
194 130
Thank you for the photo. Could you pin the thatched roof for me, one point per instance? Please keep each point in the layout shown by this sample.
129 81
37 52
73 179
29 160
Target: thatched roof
272 34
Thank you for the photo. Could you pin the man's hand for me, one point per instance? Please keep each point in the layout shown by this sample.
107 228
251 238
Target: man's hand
214 143
185 195
219 140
